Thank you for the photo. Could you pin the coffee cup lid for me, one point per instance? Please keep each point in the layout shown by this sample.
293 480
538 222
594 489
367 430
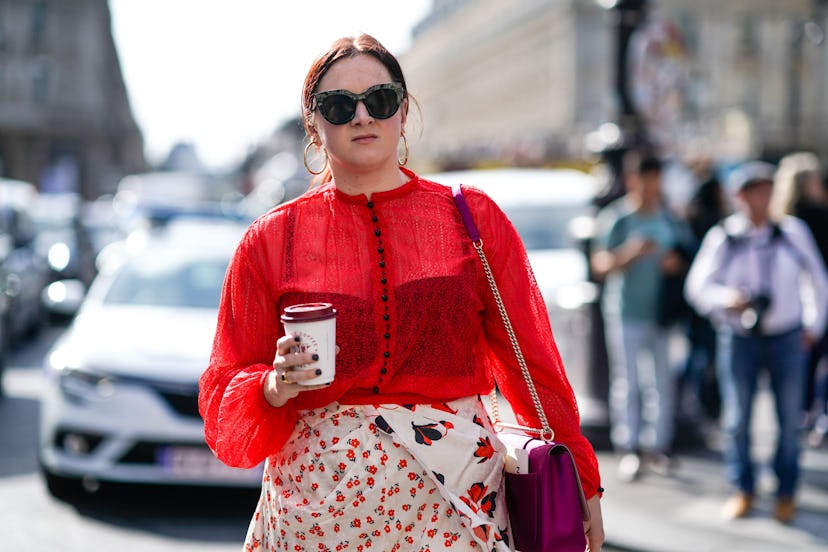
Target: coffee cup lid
308 311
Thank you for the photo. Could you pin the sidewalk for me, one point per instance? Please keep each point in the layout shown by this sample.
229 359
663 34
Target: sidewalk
682 512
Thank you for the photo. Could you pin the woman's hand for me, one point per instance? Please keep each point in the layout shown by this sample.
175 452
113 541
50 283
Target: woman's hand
594 528
282 384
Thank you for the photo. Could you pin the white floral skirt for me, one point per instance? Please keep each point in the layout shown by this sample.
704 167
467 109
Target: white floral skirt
385 478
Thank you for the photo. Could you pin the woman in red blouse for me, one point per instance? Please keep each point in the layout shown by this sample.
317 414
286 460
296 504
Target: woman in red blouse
397 453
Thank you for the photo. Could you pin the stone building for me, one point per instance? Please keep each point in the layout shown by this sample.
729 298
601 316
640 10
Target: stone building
529 82
65 118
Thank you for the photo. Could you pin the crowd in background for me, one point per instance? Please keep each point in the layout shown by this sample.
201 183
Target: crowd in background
740 269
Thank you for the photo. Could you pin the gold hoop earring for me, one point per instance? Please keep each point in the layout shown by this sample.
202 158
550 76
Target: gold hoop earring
307 165
404 160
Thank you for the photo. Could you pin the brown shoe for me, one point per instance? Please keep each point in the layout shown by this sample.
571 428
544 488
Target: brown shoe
784 510
738 506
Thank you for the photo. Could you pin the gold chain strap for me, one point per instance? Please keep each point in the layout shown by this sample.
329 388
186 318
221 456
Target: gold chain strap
546 432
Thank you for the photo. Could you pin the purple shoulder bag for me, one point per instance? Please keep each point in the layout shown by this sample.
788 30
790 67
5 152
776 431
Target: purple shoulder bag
547 506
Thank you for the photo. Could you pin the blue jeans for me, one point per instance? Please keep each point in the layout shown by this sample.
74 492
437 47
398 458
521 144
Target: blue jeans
701 355
739 362
642 385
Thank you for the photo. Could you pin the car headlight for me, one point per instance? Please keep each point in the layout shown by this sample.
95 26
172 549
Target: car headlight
79 383
86 385
59 256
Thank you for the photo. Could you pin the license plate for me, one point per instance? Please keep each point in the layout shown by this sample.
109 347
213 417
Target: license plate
199 463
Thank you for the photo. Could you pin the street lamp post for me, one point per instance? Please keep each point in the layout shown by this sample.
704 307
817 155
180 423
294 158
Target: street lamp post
628 17
630 14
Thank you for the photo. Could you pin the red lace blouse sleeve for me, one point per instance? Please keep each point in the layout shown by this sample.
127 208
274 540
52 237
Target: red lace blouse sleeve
239 425
530 320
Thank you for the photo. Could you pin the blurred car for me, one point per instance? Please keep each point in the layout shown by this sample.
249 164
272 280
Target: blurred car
25 271
551 209
156 198
121 384
62 238
102 223
5 245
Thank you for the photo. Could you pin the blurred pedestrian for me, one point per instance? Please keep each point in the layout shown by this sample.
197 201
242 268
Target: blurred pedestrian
398 452
799 190
641 247
697 393
748 276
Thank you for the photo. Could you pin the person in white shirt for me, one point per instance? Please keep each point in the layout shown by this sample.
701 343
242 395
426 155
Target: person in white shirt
764 286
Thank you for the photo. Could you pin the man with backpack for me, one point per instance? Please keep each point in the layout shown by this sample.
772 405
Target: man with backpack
763 284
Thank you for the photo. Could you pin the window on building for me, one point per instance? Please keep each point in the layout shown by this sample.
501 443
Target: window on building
687 24
749 38
40 82
40 10
3 24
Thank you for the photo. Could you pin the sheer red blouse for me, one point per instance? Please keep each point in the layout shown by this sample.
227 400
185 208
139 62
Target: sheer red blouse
416 321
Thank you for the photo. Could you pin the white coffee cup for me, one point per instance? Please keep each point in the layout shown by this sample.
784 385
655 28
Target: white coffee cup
315 324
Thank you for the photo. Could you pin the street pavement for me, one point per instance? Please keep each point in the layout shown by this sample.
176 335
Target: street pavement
681 512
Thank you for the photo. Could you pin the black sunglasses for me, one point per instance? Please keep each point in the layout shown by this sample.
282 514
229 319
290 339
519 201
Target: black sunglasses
339 106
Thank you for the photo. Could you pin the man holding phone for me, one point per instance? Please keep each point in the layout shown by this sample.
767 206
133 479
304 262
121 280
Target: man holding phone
634 256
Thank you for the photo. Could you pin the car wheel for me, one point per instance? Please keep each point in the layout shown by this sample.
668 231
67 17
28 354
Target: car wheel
7 337
40 319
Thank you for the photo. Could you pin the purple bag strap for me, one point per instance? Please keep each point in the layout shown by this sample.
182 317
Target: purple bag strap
465 213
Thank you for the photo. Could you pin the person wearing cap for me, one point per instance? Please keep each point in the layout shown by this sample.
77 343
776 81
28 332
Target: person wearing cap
748 278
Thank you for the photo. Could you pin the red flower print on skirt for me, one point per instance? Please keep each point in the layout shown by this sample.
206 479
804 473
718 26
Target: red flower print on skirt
384 478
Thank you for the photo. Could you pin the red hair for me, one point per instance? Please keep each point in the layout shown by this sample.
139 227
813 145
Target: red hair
345 47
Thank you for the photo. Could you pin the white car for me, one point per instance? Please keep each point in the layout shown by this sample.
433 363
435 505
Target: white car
552 210
120 398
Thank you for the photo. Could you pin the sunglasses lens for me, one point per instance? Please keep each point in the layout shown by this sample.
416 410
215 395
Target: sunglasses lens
338 108
382 104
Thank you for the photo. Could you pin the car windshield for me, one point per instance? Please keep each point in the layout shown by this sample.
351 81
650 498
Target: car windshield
166 282
545 226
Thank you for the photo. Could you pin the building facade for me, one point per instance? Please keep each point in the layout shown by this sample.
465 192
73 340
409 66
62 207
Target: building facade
528 82
65 118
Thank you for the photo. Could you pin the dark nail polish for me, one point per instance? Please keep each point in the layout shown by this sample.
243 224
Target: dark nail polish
315 356
297 338
318 372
